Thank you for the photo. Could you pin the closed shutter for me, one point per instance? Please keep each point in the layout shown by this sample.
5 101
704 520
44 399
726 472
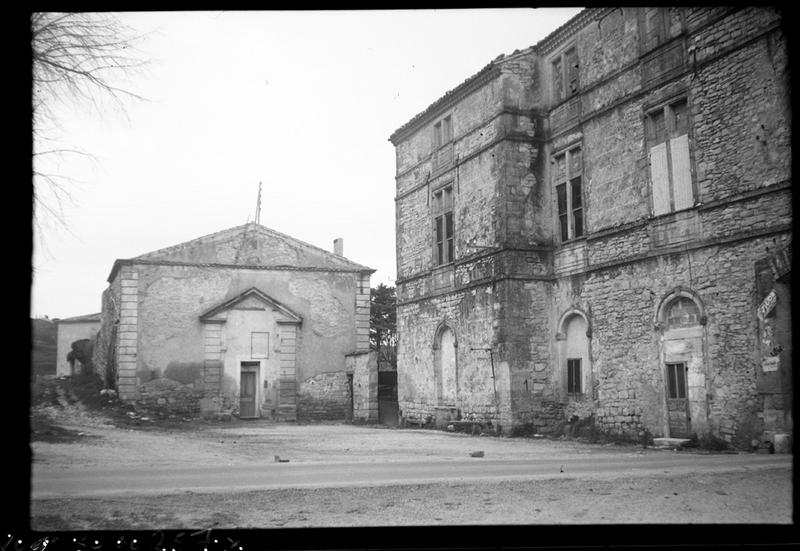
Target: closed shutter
681 172
659 175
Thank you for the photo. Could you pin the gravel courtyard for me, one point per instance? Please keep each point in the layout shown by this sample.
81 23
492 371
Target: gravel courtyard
89 442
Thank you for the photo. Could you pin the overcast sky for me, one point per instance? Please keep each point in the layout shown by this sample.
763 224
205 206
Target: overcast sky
303 102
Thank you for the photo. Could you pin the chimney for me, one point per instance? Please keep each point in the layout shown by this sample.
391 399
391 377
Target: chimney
338 246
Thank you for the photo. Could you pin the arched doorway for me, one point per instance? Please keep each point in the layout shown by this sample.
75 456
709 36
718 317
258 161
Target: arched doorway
681 320
445 371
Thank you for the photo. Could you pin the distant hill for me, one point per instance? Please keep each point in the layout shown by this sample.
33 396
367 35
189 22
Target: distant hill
43 347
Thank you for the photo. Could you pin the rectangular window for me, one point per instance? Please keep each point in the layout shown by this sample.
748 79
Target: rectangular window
259 345
565 75
670 165
574 376
654 27
443 226
569 194
442 132
676 380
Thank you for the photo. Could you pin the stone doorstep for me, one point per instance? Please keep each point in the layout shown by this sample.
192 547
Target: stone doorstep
670 442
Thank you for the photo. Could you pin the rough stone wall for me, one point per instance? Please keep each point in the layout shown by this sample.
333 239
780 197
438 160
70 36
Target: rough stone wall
740 104
105 345
169 398
324 396
623 301
469 315
732 66
363 368
526 334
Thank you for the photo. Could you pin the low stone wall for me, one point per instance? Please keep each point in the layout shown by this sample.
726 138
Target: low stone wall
324 397
364 367
168 398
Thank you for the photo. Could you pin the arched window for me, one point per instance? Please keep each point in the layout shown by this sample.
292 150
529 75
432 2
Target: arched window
577 354
575 334
682 312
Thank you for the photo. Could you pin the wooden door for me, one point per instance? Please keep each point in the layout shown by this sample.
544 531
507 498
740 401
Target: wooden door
677 400
247 394
387 398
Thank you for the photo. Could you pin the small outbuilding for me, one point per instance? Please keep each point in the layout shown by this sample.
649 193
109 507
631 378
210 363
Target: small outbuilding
70 330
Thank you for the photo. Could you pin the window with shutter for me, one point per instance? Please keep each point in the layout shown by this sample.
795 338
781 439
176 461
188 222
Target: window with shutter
565 75
670 161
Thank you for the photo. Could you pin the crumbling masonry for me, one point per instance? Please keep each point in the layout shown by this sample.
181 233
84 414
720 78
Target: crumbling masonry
599 226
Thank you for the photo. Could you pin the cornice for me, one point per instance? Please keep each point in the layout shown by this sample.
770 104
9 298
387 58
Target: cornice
485 75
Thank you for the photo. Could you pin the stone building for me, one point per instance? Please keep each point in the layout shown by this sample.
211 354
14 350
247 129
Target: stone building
598 227
246 320
70 330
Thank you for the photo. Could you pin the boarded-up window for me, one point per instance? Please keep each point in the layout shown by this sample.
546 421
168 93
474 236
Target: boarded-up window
567 176
259 345
654 27
670 162
683 312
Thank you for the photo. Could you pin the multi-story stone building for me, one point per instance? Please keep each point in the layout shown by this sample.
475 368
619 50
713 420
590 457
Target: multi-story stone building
599 226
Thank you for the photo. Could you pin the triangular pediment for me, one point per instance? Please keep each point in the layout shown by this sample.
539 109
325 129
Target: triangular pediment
252 299
252 245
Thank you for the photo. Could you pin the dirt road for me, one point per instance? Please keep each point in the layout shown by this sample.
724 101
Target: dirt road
679 488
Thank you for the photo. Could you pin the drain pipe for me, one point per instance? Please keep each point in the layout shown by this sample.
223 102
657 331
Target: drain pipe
494 379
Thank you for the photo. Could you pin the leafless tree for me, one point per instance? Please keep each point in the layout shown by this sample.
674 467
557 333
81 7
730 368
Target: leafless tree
77 60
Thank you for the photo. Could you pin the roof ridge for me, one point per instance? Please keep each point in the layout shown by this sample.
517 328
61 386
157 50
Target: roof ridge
182 243
257 227
84 317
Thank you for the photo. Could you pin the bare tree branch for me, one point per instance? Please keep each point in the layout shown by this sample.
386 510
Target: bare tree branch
78 59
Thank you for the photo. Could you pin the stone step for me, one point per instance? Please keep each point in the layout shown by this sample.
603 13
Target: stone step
670 443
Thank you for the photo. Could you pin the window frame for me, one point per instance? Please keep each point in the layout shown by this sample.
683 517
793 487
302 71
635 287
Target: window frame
574 380
442 132
672 129
676 380
443 224
560 70
575 216
660 32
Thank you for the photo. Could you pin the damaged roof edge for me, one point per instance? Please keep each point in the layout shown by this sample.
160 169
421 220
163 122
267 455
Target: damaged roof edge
481 77
489 72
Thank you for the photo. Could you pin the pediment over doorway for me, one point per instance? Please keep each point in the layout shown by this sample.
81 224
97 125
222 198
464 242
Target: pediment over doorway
251 299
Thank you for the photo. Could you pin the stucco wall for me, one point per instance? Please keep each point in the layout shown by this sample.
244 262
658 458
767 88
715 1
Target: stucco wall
170 336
